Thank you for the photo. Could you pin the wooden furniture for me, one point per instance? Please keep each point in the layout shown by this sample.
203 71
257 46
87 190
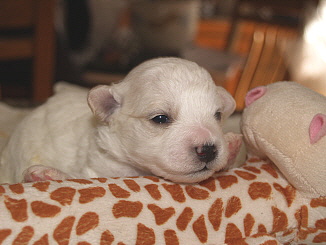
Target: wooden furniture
265 61
259 32
213 33
27 32
262 47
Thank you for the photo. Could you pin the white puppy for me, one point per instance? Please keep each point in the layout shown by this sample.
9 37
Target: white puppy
163 119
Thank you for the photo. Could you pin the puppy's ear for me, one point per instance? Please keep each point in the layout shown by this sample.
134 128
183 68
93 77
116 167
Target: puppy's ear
102 101
227 101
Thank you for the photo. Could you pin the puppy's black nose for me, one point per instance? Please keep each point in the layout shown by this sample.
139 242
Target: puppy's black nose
206 153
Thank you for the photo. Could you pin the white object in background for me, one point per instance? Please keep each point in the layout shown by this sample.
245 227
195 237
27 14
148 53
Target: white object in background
165 26
308 61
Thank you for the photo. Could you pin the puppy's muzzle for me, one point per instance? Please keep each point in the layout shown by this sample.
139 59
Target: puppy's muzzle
206 153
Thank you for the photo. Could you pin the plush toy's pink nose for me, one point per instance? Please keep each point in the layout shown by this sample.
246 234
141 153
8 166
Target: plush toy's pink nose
255 94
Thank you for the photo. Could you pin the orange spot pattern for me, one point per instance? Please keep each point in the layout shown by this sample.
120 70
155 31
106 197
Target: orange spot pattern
269 169
248 223
88 221
89 194
42 186
145 235
127 209
252 169
176 192
4 234
161 215
227 181
215 214
232 234
153 191
233 206
259 190
132 185
106 238
288 192
197 193
183 220
200 229
24 236
209 184
2 190
17 208
118 192
318 202
44 240
17 188
44 210
63 195
171 237
245 175
63 231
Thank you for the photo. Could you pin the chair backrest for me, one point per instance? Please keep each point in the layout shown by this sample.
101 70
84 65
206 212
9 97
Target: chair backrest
27 33
265 62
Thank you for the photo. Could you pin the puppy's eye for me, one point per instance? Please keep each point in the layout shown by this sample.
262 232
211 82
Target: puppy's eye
218 115
161 119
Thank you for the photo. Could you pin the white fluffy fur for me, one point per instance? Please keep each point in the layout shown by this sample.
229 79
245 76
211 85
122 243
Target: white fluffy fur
122 140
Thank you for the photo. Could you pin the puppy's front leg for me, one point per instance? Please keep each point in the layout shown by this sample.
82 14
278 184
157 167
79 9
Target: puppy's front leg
234 144
42 173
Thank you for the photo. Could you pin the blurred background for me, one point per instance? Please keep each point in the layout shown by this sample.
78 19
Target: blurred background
242 43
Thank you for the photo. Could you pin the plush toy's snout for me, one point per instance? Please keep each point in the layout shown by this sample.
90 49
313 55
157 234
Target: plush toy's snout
286 122
254 95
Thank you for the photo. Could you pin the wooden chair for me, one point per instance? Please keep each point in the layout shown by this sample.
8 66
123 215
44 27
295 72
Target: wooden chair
265 63
33 18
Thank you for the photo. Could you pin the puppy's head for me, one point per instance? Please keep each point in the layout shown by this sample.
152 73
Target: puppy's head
165 118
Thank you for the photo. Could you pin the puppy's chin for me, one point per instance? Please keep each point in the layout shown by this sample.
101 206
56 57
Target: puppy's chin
193 177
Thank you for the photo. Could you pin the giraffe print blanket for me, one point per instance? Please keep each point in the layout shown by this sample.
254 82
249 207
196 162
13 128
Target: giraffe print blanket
253 204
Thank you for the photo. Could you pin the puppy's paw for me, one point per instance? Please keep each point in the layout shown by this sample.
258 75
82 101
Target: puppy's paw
234 144
42 173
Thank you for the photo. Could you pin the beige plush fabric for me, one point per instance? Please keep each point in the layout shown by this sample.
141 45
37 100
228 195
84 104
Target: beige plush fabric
277 126
254 204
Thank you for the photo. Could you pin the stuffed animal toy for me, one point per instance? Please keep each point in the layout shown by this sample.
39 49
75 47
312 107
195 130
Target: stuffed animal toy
257 203
286 123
